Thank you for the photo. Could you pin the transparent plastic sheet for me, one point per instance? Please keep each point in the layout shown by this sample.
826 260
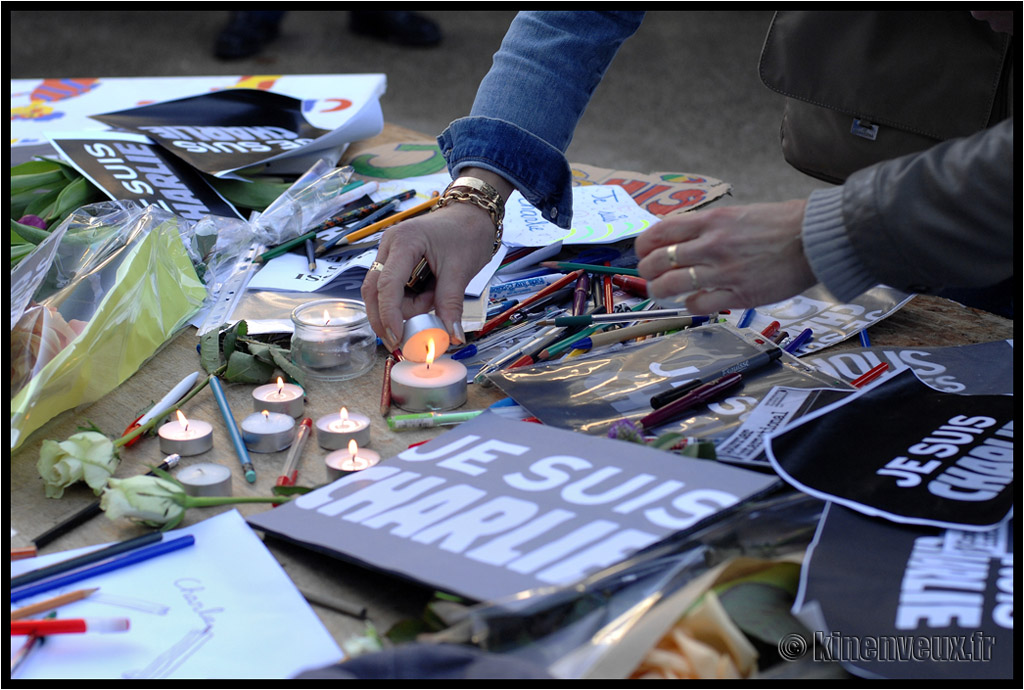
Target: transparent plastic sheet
572 630
310 200
93 302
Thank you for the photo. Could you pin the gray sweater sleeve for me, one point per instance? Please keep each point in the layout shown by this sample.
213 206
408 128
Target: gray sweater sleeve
920 223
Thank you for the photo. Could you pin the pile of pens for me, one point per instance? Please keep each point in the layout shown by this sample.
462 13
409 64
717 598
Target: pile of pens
357 221
565 309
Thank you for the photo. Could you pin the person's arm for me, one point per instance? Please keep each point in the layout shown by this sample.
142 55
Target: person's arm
515 137
936 219
920 223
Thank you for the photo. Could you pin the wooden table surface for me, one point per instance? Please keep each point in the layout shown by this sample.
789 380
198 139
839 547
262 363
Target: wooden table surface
926 321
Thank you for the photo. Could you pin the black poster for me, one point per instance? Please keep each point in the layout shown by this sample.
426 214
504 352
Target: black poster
907 452
223 131
129 166
899 602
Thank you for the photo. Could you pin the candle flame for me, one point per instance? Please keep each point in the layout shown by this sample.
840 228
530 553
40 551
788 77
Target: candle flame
182 420
353 449
280 385
327 317
343 414
430 351
266 414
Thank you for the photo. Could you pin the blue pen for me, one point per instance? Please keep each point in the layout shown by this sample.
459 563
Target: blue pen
748 316
799 341
865 341
125 559
236 435
502 307
464 353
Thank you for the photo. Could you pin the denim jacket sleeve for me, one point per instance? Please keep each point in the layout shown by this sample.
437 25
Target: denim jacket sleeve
530 101
938 219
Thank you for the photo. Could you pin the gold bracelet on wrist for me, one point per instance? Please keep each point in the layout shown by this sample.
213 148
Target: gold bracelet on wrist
472 190
468 190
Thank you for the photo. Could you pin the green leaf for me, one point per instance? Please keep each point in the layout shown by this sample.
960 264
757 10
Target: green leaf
244 368
251 195
27 233
231 338
291 490
209 351
39 180
283 359
76 194
42 205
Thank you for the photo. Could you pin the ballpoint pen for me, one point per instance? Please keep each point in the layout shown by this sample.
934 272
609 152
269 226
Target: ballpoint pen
291 466
799 341
310 254
173 396
501 318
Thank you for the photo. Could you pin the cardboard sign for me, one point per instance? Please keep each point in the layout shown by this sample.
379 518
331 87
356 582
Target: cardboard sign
907 452
892 601
496 506
130 166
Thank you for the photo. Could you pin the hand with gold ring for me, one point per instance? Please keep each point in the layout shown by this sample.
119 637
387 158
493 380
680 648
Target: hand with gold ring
727 257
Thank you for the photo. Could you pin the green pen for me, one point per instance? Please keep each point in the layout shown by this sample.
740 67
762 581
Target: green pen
428 420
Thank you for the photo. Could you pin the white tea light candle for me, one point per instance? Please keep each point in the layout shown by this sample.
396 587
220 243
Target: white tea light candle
349 460
334 431
422 381
185 436
286 398
205 479
268 432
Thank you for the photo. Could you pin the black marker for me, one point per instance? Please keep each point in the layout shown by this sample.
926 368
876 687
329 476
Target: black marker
761 359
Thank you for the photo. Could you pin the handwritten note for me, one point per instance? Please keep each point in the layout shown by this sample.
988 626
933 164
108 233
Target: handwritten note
222 608
601 214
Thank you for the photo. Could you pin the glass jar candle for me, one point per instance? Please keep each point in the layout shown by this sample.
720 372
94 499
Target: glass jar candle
332 339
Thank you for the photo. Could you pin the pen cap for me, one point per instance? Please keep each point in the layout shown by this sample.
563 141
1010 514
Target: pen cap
418 332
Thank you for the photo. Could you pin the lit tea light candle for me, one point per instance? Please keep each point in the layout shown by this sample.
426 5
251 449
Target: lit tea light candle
424 381
205 479
286 398
332 339
185 436
349 460
268 432
334 431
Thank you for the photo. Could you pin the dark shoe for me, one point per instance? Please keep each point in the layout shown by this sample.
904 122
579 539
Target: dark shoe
246 34
403 28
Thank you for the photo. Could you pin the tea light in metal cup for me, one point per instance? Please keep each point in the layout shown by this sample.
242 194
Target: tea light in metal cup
185 436
423 381
332 339
349 460
286 398
268 432
334 431
205 479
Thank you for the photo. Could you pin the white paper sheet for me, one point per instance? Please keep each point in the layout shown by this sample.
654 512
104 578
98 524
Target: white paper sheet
222 608
601 214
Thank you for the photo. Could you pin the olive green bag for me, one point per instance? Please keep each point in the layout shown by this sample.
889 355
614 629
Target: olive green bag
862 87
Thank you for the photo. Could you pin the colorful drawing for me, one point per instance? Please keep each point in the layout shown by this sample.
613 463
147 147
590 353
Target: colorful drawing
51 91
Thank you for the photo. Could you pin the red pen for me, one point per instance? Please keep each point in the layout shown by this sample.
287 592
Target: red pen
870 375
57 626
631 284
291 465
698 396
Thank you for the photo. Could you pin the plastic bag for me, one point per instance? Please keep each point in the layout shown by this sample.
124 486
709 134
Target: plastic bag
571 631
92 303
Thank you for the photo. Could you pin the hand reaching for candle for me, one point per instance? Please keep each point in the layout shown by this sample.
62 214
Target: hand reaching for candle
730 257
457 241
